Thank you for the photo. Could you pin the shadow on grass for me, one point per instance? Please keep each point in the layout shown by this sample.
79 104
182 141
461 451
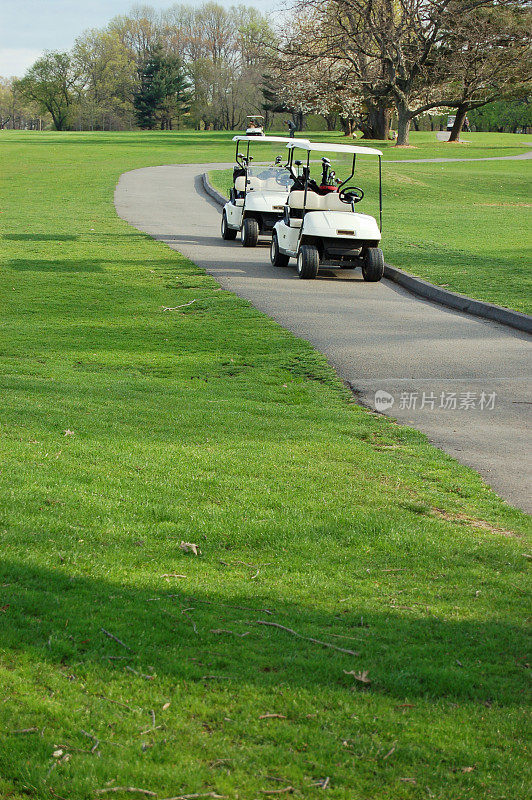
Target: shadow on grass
56 265
39 237
58 618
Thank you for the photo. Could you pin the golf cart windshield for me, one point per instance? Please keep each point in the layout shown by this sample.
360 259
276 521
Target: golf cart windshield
342 161
268 179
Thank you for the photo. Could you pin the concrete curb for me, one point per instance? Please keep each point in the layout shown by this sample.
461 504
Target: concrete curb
421 288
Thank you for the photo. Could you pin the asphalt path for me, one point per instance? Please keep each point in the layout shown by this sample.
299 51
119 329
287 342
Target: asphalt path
377 336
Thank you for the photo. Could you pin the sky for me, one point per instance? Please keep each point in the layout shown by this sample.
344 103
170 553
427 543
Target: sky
27 27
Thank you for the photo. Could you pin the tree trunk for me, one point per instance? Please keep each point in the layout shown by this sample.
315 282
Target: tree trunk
348 125
461 113
330 121
403 124
377 123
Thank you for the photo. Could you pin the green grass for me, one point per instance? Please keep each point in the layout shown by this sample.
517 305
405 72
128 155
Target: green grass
215 426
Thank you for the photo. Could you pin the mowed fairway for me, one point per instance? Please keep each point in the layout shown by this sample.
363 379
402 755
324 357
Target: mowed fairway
127 430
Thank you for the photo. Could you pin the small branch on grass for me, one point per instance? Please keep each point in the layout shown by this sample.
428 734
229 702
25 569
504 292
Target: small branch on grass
307 638
225 630
272 716
115 702
323 783
184 611
140 674
174 308
130 789
215 678
155 728
94 739
112 636
197 795
173 575
24 730
152 714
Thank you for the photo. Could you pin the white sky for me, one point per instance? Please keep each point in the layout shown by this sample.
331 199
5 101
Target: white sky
27 27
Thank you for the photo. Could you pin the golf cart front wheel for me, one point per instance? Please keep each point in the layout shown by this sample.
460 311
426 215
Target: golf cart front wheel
308 261
277 258
373 264
250 232
227 232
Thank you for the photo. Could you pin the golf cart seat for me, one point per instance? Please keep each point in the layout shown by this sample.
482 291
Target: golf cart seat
254 183
296 201
332 202
317 202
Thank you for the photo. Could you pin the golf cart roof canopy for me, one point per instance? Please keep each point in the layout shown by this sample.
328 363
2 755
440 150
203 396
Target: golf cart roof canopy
279 139
324 147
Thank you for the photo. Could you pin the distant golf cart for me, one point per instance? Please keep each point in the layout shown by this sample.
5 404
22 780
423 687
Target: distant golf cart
255 125
320 226
259 193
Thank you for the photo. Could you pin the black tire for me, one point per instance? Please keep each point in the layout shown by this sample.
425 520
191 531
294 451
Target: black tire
308 261
250 232
227 232
373 264
277 258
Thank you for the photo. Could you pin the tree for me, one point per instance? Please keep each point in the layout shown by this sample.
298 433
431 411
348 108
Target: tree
52 83
489 54
164 91
109 76
504 115
399 52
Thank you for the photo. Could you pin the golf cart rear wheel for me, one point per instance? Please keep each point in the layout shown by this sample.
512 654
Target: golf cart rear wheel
227 232
308 261
373 264
277 258
250 232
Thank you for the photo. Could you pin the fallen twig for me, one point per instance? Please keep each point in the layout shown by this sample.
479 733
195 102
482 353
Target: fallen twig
323 783
194 796
184 611
129 789
389 753
172 575
225 630
112 636
215 677
174 308
272 716
94 739
25 730
307 638
140 674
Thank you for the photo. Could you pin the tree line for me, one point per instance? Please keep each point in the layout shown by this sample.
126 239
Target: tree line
360 64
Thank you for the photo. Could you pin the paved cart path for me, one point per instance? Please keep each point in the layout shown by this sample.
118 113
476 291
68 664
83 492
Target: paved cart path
377 336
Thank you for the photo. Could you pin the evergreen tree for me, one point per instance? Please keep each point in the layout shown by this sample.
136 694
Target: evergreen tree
164 91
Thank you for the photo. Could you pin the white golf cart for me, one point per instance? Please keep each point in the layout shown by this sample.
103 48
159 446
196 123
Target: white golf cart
259 193
255 125
320 225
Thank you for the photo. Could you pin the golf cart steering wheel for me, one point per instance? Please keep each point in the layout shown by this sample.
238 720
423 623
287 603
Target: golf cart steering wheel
352 194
